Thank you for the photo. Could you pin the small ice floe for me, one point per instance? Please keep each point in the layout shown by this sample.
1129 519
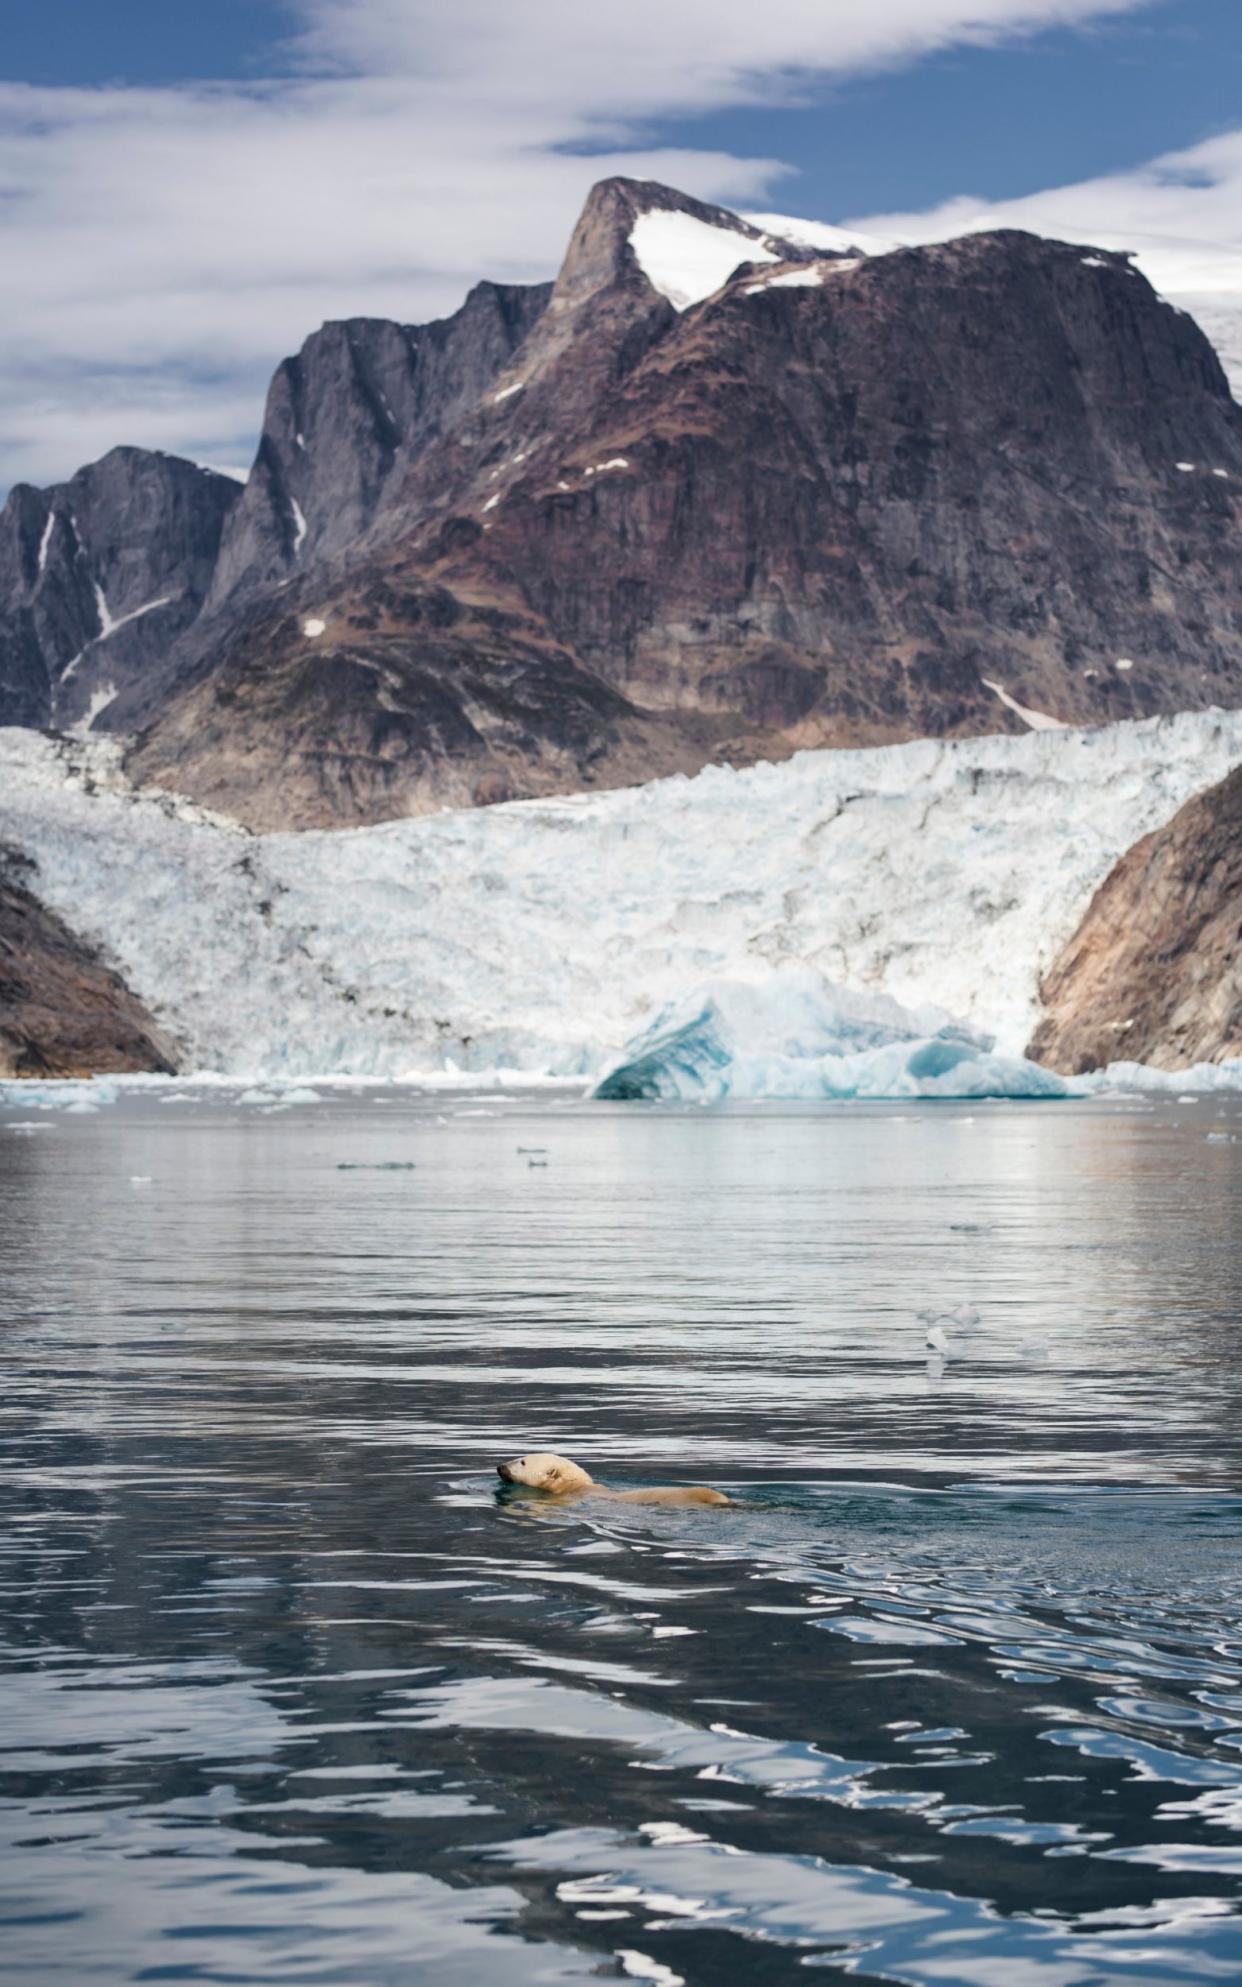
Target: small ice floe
1220 1138
641 1966
670 1831
313 626
1124 662
1185 467
25 1126
1220 472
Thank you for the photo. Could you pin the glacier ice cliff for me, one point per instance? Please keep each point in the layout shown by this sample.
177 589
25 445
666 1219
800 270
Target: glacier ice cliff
543 935
796 1035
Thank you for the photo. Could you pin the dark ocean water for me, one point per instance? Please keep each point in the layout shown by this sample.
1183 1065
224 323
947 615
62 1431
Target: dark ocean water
288 1694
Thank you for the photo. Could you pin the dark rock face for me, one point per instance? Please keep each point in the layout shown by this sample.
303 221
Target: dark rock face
1154 971
63 1012
346 417
98 576
831 508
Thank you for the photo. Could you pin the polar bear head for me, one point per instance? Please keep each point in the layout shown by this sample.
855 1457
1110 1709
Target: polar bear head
542 1471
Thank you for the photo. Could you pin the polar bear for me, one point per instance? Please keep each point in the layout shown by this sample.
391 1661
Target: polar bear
562 1478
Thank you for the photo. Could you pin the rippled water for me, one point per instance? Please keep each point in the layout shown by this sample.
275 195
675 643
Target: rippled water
290 1695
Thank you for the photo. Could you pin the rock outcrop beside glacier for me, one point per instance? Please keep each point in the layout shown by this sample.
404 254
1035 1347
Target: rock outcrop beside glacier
1154 971
63 1011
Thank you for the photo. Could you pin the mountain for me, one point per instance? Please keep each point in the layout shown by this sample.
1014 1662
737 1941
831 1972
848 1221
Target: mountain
63 1010
719 494
1154 971
99 576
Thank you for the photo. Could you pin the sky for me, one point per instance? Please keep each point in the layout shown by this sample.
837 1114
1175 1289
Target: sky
186 193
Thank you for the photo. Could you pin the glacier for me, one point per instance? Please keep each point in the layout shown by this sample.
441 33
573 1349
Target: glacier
539 938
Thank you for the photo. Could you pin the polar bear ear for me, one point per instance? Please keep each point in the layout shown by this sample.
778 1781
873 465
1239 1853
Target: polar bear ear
554 1474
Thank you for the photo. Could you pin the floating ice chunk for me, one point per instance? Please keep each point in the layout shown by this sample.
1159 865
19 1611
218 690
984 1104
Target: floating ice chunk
1185 467
1220 472
1037 720
312 627
640 1966
797 1035
507 392
686 259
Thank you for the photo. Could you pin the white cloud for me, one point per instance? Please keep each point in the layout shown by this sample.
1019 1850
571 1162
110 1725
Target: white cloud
163 247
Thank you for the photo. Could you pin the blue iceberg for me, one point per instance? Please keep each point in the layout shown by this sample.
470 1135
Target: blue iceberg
796 1035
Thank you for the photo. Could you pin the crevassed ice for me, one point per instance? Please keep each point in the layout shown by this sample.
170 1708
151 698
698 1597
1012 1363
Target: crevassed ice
686 259
543 935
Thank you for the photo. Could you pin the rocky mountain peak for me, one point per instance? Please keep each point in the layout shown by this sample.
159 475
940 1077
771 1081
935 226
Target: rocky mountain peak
100 575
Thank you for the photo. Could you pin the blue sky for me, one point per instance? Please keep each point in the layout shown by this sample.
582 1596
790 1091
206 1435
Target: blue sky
185 193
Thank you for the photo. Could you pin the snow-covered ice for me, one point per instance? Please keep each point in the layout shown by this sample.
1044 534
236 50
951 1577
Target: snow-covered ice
686 259
299 524
540 937
46 540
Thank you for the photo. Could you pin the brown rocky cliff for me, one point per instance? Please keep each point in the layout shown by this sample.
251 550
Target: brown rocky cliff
1154 972
63 1011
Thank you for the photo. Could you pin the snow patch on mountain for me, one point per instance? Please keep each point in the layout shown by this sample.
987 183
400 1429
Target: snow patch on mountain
543 935
821 234
686 259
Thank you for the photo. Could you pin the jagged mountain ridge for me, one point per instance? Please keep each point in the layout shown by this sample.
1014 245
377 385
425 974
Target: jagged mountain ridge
716 495
98 578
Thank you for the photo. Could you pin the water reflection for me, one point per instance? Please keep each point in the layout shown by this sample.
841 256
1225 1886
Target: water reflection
289 1693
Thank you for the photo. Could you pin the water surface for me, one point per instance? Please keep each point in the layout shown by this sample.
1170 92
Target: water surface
289 1694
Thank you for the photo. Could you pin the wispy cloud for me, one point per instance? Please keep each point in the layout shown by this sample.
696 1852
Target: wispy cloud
163 247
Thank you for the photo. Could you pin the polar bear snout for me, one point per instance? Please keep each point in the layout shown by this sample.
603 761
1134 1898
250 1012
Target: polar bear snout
505 1472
